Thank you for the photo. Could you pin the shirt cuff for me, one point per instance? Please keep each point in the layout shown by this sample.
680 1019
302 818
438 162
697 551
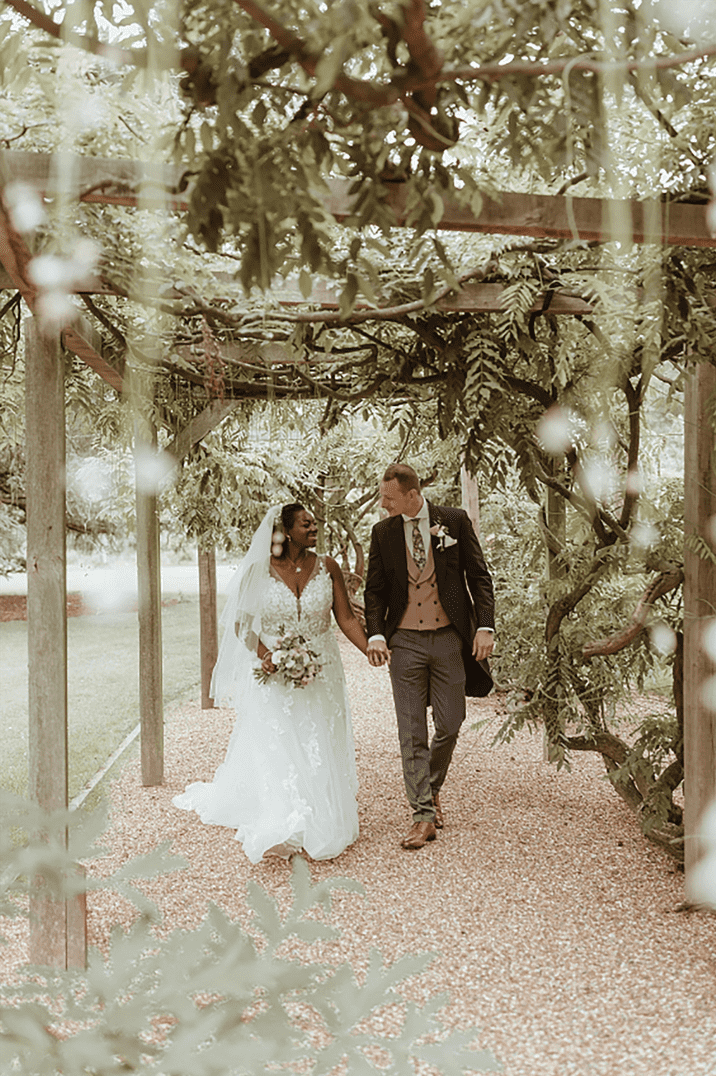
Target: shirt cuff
376 639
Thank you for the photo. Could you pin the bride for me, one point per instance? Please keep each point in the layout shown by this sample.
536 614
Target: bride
288 780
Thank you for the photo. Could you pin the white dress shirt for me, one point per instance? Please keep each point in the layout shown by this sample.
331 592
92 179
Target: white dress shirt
423 516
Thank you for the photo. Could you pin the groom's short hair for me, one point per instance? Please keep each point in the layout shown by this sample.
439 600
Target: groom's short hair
405 476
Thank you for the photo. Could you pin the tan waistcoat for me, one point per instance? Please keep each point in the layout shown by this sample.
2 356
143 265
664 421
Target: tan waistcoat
424 611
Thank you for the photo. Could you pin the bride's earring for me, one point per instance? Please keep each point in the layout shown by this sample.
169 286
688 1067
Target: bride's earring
277 540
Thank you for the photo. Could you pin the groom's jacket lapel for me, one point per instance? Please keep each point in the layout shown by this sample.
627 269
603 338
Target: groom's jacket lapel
439 560
396 537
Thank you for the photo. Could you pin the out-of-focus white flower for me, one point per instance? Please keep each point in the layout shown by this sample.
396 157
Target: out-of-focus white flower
708 639
83 260
111 590
57 277
663 638
601 479
555 430
93 480
152 469
26 209
54 309
53 273
277 549
644 535
49 272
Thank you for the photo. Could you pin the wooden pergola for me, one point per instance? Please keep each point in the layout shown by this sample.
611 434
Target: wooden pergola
57 935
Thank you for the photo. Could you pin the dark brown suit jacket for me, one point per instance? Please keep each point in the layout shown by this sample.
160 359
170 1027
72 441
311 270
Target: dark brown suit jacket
464 585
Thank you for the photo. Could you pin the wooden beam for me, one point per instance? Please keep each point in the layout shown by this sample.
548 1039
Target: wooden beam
699 604
474 297
149 587
107 180
553 216
46 610
208 623
127 182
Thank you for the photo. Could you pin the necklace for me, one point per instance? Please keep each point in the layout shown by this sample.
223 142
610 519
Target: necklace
296 568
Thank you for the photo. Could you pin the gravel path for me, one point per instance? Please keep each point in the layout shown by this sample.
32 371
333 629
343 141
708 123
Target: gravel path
554 922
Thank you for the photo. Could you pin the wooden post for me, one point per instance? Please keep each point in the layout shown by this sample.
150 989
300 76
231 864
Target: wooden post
151 708
56 927
470 498
699 603
208 626
46 609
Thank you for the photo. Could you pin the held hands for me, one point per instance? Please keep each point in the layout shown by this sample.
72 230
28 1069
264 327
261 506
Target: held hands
267 664
378 653
483 644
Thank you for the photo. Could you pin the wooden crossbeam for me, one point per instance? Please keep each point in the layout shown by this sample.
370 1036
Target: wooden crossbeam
473 297
107 180
555 216
131 183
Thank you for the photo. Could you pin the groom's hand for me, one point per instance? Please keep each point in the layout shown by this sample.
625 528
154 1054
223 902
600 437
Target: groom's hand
483 644
378 653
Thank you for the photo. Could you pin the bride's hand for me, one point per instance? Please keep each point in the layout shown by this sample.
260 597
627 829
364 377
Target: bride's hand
267 664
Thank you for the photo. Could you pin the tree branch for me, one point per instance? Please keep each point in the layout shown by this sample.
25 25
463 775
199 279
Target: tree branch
372 93
664 583
631 493
537 69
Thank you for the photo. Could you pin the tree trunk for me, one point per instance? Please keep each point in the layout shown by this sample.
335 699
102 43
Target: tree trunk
699 604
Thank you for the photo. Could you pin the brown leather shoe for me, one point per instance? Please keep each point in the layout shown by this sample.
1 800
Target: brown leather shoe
419 834
439 820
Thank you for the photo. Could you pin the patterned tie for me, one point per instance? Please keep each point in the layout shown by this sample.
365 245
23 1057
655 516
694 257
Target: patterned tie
418 546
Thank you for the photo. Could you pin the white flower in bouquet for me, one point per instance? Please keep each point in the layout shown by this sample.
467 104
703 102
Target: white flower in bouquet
296 664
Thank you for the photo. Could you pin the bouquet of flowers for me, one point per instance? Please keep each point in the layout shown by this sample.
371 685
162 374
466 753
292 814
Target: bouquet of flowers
296 664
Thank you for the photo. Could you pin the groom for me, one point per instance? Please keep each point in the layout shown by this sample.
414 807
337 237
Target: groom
428 596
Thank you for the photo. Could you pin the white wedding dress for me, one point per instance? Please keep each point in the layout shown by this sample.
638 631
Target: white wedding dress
289 779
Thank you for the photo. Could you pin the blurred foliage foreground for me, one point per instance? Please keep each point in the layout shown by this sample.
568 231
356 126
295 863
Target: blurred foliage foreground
214 1000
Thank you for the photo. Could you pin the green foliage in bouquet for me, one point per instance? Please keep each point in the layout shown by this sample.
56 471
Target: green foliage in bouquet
214 1000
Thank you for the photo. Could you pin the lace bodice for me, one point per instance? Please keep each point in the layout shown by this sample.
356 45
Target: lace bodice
310 614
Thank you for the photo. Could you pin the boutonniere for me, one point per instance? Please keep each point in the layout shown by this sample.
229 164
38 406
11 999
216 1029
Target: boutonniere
445 540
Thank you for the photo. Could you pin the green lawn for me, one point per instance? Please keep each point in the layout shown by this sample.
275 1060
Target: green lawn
102 686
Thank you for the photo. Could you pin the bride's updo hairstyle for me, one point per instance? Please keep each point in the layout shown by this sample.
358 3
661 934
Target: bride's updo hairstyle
288 515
